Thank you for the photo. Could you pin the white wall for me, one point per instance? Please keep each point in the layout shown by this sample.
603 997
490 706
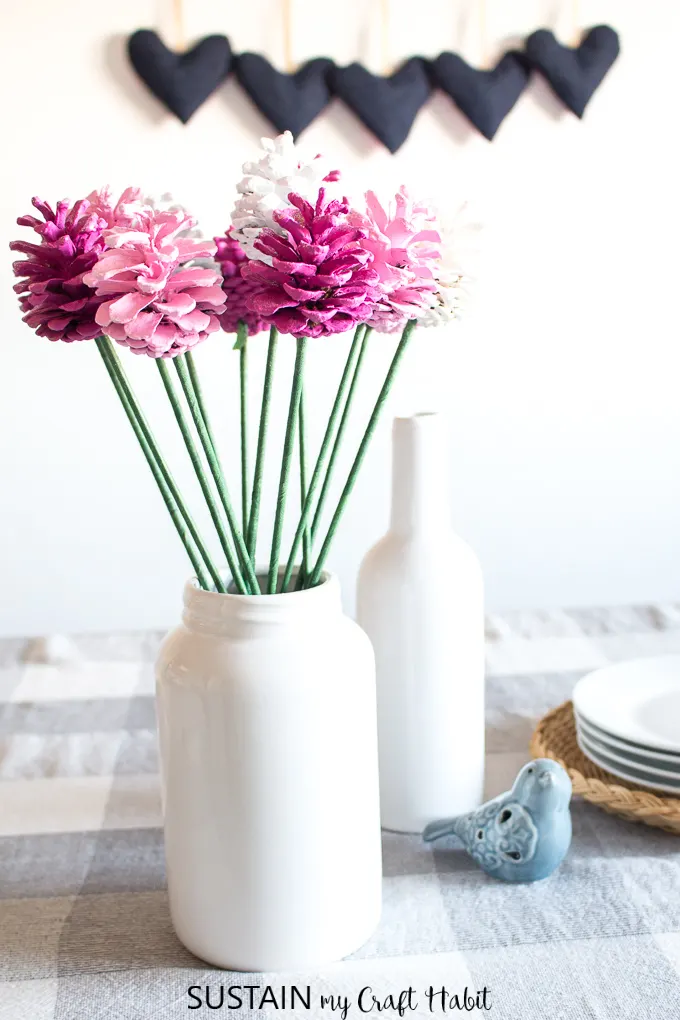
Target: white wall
562 387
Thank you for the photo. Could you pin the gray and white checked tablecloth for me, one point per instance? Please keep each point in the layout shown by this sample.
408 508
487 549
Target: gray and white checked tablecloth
84 925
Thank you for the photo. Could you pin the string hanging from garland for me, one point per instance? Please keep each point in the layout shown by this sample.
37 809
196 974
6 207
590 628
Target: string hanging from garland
387 104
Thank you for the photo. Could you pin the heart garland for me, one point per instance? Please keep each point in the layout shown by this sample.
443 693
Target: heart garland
289 101
182 81
574 74
485 97
387 106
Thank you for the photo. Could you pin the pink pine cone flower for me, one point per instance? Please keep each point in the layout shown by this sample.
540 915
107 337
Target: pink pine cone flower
56 302
152 302
237 288
406 248
320 281
125 211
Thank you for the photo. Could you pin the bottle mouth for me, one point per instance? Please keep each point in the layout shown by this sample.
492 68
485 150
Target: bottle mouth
215 611
417 416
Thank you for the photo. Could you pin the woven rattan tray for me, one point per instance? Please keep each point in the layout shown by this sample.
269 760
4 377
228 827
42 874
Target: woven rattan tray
555 737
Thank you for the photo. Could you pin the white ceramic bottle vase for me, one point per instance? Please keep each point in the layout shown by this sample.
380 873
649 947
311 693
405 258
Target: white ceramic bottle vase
266 708
420 600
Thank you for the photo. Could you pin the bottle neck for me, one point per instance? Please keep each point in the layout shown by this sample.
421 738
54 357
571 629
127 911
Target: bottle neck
420 491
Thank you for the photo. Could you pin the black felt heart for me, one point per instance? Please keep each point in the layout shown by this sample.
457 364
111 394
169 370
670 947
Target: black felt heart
182 81
387 106
485 97
574 74
290 101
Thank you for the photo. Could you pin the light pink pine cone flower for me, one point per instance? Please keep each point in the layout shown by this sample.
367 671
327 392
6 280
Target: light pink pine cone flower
125 211
154 303
406 248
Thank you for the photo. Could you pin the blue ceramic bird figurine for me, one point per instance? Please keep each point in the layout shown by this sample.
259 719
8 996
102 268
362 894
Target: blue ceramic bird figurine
524 834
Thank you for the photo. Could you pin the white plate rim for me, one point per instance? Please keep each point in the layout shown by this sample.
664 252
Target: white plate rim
588 741
625 730
624 745
621 775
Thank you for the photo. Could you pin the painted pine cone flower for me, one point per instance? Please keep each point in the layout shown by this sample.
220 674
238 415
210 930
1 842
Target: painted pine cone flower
406 248
267 184
129 210
152 302
237 288
448 300
125 211
320 281
55 300
456 274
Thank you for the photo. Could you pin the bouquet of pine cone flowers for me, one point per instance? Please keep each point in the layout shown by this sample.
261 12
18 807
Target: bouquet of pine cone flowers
298 259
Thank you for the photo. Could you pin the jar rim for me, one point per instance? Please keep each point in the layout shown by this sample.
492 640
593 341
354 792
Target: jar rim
212 610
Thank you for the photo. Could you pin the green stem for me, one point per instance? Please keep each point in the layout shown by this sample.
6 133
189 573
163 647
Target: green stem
361 453
341 432
242 345
186 529
254 517
197 395
201 476
295 390
302 439
196 384
303 525
208 444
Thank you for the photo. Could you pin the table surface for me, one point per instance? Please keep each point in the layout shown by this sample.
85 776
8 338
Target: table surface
84 924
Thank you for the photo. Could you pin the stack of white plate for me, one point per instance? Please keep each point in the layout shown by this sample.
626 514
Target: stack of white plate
628 721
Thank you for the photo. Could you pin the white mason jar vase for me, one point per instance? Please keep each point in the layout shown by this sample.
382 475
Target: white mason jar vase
267 721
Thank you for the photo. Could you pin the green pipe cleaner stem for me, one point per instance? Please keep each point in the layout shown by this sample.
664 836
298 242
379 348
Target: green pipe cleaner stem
208 444
361 453
288 443
196 384
180 516
242 346
341 432
303 524
302 440
202 408
200 475
254 516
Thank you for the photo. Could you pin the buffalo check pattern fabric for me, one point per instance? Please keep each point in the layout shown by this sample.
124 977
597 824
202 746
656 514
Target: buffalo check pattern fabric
84 925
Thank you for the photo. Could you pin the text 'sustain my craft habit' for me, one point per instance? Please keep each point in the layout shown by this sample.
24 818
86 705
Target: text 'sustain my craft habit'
387 106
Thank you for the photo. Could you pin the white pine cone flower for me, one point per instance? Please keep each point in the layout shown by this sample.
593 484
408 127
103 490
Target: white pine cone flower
266 186
455 276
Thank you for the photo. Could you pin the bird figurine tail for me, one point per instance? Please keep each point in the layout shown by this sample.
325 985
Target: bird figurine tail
435 830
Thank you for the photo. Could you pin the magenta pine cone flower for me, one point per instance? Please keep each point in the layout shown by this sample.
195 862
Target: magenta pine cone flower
406 248
319 281
152 302
56 302
237 288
